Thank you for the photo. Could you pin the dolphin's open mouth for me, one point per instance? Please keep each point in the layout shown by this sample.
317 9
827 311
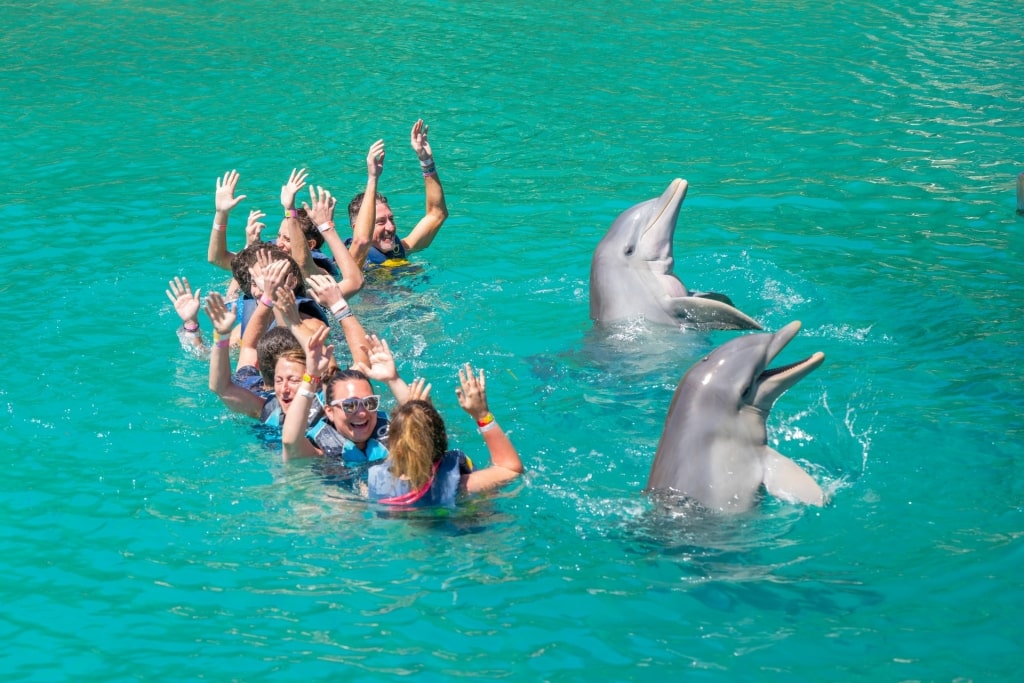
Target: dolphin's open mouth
771 372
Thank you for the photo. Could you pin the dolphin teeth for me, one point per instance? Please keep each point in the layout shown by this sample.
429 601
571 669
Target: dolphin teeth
771 372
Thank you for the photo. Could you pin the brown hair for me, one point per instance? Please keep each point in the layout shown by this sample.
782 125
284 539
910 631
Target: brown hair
416 440
357 203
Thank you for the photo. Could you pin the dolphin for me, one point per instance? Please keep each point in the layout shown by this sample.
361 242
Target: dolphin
714 447
631 272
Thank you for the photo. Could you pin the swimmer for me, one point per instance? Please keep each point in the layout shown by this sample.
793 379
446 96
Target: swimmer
421 471
353 430
374 239
304 230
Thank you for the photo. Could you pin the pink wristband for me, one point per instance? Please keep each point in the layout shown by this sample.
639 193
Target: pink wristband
218 226
267 301
222 343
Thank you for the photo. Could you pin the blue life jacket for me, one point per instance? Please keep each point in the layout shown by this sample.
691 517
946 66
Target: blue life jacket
326 262
377 258
337 447
441 491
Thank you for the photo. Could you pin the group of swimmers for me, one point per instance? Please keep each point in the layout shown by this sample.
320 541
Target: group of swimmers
275 312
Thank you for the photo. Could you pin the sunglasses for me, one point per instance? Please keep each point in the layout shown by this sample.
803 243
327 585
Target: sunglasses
352 405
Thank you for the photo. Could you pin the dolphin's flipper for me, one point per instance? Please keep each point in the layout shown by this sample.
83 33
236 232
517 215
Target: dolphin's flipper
785 479
714 296
711 314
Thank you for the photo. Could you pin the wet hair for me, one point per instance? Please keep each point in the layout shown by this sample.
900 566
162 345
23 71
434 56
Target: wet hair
276 342
357 203
342 376
417 439
309 229
246 259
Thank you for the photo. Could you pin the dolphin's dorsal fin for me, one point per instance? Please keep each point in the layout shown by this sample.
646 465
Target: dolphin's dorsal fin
785 479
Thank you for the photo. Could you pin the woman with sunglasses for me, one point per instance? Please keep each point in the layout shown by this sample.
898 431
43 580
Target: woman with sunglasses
352 430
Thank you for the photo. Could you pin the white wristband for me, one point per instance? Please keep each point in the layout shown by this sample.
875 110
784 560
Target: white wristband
340 309
325 226
427 163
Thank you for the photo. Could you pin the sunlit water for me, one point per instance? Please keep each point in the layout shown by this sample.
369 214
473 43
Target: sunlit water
852 167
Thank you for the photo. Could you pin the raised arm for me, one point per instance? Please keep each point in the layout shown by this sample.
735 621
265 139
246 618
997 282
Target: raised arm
437 211
293 433
186 305
328 293
224 200
362 229
505 462
298 245
236 398
321 210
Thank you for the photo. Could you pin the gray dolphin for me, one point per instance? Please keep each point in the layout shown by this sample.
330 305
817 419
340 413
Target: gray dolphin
714 447
631 272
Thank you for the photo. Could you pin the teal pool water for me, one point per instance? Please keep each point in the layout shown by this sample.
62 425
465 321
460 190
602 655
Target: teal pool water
850 165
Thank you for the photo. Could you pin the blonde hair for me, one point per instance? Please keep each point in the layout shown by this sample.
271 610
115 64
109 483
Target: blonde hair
416 440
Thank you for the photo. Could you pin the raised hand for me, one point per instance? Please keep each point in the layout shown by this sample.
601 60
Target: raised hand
285 306
220 315
473 392
375 159
325 290
318 356
321 205
225 199
418 140
254 228
382 362
186 303
419 390
276 276
296 181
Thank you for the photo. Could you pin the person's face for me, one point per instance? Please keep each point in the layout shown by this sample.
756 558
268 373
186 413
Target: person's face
358 426
287 378
284 241
384 229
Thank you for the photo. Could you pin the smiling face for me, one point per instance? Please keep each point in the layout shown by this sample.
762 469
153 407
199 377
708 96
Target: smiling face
287 378
384 232
359 426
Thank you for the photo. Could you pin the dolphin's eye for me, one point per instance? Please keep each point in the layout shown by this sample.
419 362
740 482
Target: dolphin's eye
629 250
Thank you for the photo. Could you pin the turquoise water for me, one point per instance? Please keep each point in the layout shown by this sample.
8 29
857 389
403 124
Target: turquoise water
851 166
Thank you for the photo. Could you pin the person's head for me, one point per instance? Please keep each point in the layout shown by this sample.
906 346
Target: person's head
275 342
416 440
314 238
246 259
288 372
384 231
352 405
